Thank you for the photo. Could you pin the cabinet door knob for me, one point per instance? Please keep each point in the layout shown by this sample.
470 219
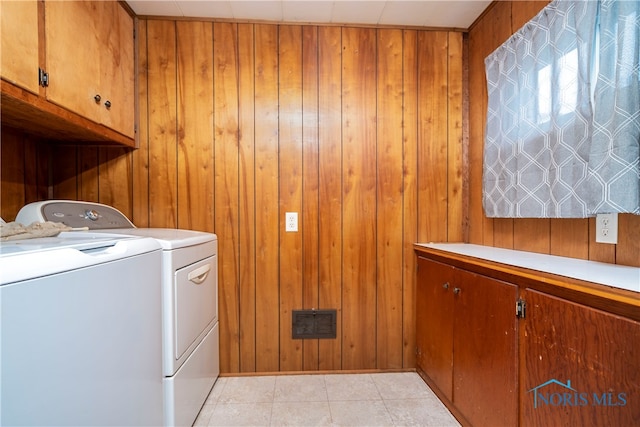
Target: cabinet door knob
97 98
446 285
107 104
456 290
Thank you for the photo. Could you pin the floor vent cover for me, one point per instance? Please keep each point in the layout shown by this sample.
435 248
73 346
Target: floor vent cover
314 324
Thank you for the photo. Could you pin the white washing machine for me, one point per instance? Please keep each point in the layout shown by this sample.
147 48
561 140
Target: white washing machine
79 325
189 283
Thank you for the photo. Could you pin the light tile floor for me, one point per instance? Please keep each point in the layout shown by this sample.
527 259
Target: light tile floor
381 399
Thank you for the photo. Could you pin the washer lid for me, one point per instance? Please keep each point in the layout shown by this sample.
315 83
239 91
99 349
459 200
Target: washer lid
170 238
32 258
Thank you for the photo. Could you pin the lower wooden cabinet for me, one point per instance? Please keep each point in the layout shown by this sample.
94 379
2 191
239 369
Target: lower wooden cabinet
570 358
580 366
466 341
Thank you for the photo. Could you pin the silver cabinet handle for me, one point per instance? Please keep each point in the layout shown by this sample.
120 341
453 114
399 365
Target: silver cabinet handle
107 104
456 290
446 285
97 98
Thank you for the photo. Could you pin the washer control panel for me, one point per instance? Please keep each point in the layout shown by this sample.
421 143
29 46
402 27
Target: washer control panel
94 216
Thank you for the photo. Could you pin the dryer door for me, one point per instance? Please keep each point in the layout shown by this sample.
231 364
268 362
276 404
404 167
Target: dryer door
196 305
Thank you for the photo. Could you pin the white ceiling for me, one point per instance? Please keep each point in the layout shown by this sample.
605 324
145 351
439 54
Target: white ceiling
422 13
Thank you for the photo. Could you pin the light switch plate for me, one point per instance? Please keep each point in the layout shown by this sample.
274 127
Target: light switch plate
607 228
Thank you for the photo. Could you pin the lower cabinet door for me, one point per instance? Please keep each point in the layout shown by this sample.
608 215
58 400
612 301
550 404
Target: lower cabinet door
485 350
434 323
579 365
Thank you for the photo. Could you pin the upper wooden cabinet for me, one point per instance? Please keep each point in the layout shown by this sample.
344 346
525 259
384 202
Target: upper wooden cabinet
19 43
86 49
89 54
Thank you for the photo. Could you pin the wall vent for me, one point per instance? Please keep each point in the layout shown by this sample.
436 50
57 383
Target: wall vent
313 324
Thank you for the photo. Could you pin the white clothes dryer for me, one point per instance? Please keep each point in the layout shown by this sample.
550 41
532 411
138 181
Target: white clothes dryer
189 284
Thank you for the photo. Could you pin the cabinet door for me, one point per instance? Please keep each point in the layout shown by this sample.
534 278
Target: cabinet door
434 323
579 366
89 54
485 350
19 43
73 55
117 69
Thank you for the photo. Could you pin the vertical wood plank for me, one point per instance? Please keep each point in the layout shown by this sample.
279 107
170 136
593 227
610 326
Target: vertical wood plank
246 310
389 199
330 194
455 203
267 221
225 87
568 237
114 179
359 197
140 156
88 174
628 247
12 175
37 162
162 83
432 131
291 173
65 172
195 125
410 193
532 235
310 187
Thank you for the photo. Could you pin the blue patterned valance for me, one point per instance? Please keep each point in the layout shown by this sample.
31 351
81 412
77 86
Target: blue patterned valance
563 120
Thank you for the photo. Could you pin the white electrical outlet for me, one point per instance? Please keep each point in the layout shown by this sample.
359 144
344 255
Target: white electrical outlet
607 228
291 221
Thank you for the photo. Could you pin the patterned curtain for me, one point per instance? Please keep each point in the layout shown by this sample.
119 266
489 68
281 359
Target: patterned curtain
549 150
615 148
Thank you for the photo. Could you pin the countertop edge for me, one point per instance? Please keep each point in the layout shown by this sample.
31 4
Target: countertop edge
608 292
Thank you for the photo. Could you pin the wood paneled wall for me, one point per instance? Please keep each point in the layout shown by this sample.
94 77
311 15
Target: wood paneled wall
359 130
573 238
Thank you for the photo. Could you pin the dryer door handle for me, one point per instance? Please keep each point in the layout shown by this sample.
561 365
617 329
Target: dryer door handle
199 275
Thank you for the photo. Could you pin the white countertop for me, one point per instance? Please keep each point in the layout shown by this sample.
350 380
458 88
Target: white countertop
618 276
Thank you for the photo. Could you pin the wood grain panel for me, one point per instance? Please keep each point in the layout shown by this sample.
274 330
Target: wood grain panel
12 175
599 359
140 156
628 247
245 310
532 235
290 182
432 134
310 187
88 174
455 203
359 198
225 196
409 193
162 83
266 178
569 237
114 178
195 124
389 199
330 193
64 173
37 162
19 43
